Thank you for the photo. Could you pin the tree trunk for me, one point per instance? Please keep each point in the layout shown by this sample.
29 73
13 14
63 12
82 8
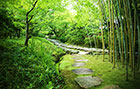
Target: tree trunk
27 24
27 31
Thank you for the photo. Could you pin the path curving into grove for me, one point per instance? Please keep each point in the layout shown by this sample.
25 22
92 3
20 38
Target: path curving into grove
86 80
80 70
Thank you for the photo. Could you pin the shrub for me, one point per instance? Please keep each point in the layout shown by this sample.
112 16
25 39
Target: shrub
30 67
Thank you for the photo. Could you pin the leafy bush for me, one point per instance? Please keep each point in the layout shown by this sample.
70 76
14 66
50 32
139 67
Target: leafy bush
62 39
28 68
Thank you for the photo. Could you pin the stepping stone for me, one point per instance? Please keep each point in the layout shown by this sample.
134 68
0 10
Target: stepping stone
82 71
88 81
81 60
78 64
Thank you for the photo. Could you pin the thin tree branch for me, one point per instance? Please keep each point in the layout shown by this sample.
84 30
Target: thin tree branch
32 7
30 18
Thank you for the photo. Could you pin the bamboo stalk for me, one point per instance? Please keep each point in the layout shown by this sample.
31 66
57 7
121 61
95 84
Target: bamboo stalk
135 22
102 28
124 36
132 63
122 31
109 28
138 30
118 34
128 27
131 31
110 20
113 30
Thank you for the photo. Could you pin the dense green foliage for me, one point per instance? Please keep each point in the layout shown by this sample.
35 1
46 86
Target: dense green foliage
106 24
63 19
32 67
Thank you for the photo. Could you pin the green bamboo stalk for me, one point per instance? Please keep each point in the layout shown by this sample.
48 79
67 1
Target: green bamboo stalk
112 12
132 63
118 38
109 28
126 50
131 31
105 7
122 31
102 28
135 22
124 37
129 37
110 20
138 28
118 34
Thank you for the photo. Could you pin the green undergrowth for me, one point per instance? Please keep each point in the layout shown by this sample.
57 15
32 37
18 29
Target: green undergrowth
100 69
31 67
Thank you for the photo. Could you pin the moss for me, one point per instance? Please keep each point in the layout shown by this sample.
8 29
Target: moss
101 69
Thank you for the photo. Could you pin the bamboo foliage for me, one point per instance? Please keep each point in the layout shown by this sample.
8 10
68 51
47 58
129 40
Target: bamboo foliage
122 30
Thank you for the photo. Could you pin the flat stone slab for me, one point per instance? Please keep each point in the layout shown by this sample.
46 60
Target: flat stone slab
80 60
78 64
82 71
88 81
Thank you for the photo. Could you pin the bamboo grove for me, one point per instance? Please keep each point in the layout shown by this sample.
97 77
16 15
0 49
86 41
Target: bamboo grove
121 18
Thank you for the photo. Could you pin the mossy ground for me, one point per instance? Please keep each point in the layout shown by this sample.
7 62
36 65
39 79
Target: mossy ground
101 69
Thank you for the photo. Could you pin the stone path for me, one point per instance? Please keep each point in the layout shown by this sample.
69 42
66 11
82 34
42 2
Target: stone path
84 75
86 81
78 64
82 71
81 60
62 45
